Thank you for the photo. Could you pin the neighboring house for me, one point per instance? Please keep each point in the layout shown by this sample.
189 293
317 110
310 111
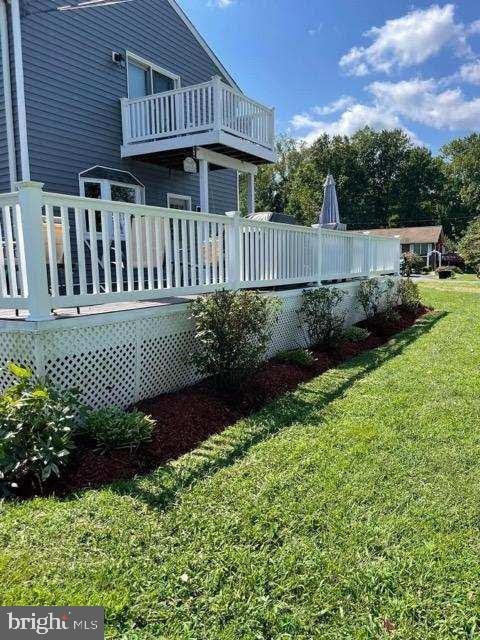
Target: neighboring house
124 101
419 240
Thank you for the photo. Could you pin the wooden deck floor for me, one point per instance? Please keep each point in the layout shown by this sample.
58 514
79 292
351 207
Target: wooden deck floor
9 314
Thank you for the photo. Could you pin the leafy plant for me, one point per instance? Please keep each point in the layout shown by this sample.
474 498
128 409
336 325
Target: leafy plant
378 298
409 294
232 331
411 263
36 431
369 296
299 357
322 315
469 246
356 334
112 428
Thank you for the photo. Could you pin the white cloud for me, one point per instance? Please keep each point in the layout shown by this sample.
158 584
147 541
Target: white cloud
424 102
355 117
470 72
334 107
221 4
391 105
409 40
315 30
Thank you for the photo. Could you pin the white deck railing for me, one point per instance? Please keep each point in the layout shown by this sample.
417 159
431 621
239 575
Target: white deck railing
63 251
199 108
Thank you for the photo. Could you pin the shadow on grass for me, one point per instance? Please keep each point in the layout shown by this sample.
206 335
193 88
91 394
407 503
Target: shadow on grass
309 401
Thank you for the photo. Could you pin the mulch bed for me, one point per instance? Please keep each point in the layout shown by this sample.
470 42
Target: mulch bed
188 417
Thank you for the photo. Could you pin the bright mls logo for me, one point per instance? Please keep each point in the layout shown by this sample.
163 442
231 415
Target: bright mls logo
59 623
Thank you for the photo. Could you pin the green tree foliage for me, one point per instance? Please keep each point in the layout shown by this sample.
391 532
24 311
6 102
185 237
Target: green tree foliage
469 245
462 169
383 180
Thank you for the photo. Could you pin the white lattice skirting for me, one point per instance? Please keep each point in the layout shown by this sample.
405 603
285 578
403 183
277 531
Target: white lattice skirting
121 357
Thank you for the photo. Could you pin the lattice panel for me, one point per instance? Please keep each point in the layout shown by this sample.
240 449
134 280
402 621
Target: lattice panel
99 360
287 333
117 362
18 347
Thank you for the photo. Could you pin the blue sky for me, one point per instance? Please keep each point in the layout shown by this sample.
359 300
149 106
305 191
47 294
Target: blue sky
336 66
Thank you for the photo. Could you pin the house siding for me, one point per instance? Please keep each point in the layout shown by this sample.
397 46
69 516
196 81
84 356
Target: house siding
73 92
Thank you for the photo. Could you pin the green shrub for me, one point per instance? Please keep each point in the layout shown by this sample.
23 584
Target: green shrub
299 357
378 298
112 428
356 334
232 331
36 431
369 296
409 294
322 316
411 263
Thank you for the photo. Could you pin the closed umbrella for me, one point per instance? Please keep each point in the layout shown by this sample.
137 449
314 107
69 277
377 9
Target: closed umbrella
329 215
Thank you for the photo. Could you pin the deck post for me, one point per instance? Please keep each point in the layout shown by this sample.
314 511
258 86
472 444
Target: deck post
250 193
203 173
233 250
30 196
320 250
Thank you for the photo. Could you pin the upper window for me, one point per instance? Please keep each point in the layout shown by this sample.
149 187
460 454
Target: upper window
146 78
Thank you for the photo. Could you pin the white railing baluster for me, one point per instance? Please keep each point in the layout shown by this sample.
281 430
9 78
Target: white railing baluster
106 259
52 250
159 242
176 253
127 224
168 252
79 229
93 251
67 254
149 243
117 244
3 279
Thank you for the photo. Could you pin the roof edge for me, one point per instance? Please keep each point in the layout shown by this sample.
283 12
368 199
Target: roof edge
201 41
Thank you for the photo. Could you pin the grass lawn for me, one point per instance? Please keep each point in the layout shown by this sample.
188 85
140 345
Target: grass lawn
348 509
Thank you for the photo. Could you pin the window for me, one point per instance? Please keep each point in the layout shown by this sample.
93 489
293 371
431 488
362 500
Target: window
109 184
145 78
183 203
421 248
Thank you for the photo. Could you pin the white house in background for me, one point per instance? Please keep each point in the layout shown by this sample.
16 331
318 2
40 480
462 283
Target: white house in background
124 101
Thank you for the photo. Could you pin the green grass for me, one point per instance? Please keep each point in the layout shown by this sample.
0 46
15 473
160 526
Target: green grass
353 501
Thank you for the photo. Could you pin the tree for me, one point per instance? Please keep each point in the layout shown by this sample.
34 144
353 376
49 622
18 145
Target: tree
383 180
462 168
272 182
469 245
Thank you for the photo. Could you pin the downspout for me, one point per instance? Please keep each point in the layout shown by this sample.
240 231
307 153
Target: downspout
20 87
7 93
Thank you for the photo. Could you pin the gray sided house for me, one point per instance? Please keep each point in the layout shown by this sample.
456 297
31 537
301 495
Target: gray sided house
125 101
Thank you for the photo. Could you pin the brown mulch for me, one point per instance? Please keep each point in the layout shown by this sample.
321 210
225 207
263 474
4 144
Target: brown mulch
188 417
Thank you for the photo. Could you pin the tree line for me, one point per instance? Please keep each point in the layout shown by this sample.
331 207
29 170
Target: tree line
383 180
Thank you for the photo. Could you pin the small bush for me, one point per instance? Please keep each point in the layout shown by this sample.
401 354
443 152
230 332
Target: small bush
299 357
321 314
112 428
36 431
369 296
356 334
379 299
409 294
411 263
232 331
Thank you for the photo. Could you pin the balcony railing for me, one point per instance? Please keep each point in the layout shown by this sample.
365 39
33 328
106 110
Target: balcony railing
63 251
211 106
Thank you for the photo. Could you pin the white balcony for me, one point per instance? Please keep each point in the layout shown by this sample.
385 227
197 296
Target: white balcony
211 115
